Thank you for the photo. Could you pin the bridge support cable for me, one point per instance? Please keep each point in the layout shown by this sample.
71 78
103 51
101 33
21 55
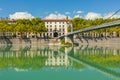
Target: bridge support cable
102 26
114 14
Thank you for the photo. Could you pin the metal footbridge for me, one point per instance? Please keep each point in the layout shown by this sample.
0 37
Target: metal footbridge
102 26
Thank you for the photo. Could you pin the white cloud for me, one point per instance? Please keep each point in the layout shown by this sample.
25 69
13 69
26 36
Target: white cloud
67 13
21 15
79 12
93 15
56 16
110 15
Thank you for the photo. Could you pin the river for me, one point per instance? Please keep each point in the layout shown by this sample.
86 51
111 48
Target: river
37 62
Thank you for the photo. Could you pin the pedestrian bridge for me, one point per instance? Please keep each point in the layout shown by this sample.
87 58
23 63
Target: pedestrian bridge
102 26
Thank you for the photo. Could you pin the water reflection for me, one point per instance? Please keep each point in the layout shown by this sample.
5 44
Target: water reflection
75 61
28 57
102 59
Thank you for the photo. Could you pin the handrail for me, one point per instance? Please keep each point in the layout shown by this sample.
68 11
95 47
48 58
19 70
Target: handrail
105 25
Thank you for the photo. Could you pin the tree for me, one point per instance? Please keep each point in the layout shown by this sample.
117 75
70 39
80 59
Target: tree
3 26
80 23
38 25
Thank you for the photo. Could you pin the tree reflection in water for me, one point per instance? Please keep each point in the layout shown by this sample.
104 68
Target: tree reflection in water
102 59
76 59
31 57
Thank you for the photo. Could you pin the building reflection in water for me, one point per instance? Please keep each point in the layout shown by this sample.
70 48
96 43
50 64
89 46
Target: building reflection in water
105 60
54 58
57 59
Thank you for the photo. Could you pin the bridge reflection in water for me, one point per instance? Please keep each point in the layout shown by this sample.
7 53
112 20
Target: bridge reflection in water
104 61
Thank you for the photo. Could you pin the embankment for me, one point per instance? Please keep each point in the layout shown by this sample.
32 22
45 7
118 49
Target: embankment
83 41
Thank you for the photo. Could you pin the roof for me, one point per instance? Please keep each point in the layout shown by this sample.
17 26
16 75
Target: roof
47 20
12 20
56 20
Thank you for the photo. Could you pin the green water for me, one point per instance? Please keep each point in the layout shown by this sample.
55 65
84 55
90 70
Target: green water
31 62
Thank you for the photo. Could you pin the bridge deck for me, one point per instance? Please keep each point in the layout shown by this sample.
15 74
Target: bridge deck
105 25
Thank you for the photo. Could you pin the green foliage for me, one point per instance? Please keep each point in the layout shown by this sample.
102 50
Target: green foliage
62 49
36 25
63 41
3 26
109 61
77 65
68 43
80 23
23 62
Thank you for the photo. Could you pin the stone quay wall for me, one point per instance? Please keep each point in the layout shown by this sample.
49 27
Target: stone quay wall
92 41
80 41
32 41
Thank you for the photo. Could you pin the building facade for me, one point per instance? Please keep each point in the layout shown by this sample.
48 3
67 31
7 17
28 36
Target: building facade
56 27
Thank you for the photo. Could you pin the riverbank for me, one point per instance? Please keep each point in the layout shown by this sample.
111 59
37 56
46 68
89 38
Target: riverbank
91 41
83 41
32 41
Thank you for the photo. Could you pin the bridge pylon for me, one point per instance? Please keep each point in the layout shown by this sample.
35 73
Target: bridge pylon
69 39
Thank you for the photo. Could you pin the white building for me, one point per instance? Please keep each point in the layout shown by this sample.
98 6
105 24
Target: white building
56 27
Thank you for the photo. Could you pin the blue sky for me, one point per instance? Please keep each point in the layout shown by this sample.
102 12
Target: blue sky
43 8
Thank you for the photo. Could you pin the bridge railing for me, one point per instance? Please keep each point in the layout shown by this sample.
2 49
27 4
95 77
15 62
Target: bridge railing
104 25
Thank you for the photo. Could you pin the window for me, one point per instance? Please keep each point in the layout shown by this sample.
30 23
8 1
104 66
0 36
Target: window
59 34
59 25
40 34
50 34
55 22
63 30
50 30
47 34
60 30
55 26
47 30
63 26
50 25
47 26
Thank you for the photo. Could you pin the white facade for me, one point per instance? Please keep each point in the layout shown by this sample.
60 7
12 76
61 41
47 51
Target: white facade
55 26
